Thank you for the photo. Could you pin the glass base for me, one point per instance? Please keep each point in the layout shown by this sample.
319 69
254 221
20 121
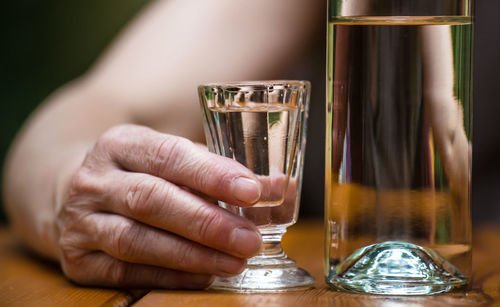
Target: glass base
269 272
273 276
396 268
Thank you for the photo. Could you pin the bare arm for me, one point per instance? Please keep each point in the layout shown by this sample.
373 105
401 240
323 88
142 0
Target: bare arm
445 111
148 77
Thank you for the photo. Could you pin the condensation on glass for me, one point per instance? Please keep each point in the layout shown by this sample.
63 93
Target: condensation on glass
398 146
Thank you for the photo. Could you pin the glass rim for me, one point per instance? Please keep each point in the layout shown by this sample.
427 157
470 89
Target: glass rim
236 86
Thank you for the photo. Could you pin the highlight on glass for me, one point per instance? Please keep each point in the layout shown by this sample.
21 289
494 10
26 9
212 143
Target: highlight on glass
262 125
398 146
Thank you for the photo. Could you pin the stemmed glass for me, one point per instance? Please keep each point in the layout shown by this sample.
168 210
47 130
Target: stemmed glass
262 125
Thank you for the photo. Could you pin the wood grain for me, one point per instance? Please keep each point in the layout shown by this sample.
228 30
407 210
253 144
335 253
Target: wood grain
26 280
304 243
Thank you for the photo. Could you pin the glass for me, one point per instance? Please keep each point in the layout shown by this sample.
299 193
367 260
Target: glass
262 125
398 146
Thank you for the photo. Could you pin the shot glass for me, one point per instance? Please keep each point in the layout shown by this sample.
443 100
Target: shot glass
398 146
262 125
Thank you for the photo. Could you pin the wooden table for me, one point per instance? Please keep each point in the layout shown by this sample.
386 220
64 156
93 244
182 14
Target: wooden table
26 280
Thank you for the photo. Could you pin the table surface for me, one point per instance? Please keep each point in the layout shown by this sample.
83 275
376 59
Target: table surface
27 280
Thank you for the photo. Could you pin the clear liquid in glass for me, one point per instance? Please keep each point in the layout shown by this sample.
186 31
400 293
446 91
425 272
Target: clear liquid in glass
398 154
266 142
262 126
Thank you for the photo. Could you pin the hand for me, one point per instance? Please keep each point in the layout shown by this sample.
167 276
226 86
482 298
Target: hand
134 214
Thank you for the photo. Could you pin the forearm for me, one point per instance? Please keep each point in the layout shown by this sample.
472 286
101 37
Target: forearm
51 145
149 77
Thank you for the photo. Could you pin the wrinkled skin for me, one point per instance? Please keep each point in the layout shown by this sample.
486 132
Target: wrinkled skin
131 219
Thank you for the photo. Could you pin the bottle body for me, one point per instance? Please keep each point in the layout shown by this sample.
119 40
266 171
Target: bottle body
398 146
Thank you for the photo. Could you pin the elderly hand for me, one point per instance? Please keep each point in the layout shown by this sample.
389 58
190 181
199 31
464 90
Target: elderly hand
137 213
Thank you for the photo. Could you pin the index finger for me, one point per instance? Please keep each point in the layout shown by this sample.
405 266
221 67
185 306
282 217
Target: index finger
180 161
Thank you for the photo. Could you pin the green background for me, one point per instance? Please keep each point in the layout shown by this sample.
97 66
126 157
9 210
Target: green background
44 45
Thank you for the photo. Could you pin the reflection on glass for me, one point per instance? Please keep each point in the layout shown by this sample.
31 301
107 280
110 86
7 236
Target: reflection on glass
398 152
262 126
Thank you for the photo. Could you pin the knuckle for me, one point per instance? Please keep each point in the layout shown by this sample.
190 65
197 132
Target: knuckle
207 219
71 262
73 240
202 175
125 239
82 193
118 272
83 182
68 235
117 131
71 224
114 136
157 163
67 217
185 256
140 198
169 154
212 177
106 139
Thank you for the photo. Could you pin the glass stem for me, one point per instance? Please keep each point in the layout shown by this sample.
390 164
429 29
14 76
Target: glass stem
271 239
272 248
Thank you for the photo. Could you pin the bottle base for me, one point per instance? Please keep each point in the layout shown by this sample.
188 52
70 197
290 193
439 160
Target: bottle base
396 268
393 287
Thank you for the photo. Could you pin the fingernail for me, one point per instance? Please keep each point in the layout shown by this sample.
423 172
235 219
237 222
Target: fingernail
245 242
228 265
246 190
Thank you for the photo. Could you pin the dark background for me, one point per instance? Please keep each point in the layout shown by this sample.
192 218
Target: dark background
44 44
